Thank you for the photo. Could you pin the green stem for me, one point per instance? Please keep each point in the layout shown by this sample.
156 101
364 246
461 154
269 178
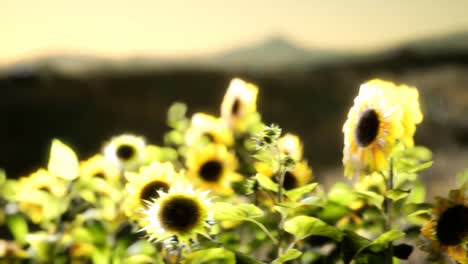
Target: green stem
388 211
264 229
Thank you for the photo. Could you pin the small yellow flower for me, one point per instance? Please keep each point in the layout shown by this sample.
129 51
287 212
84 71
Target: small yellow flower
448 227
207 128
213 168
39 194
239 102
181 212
297 177
99 167
374 124
144 186
126 151
291 145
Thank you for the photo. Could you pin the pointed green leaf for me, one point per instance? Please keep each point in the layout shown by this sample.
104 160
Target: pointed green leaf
381 242
397 194
287 256
63 161
297 193
18 227
351 244
304 226
2 177
227 211
372 197
421 167
266 182
212 256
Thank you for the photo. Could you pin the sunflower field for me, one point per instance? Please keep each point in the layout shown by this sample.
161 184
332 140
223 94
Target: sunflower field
232 189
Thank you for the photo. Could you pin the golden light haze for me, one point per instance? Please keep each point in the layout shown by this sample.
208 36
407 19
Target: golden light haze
124 28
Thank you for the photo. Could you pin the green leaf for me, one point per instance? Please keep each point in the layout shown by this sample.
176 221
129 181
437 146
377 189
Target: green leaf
304 226
354 245
63 161
18 227
421 167
227 211
297 193
245 259
462 178
418 193
381 242
287 256
285 207
415 153
266 182
176 116
141 259
2 177
372 197
351 244
397 194
212 256
342 194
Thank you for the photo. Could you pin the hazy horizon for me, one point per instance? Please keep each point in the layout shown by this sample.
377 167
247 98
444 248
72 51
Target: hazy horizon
125 29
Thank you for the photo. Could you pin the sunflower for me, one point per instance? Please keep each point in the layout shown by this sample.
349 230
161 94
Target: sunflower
239 102
448 227
374 125
299 176
209 128
213 167
181 212
291 145
144 186
99 167
104 175
39 194
126 151
408 98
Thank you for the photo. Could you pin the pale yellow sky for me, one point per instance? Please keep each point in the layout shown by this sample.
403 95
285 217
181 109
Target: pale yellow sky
124 28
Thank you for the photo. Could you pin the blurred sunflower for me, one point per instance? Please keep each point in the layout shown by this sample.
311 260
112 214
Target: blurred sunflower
299 176
373 183
126 151
99 167
146 185
239 102
104 175
213 167
181 212
39 194
207 128
448 227
374 124
408 98
291 145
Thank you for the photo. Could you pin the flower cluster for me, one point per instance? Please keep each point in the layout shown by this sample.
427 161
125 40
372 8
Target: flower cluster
229 189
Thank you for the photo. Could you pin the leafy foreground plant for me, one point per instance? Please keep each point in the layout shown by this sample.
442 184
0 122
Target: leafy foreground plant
231 190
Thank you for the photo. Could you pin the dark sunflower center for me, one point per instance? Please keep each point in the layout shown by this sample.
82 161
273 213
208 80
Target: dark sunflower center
180 214
290 181
236 107
211 171
125 152
209 136
367 128
151 190
452 226
45 189
99 174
